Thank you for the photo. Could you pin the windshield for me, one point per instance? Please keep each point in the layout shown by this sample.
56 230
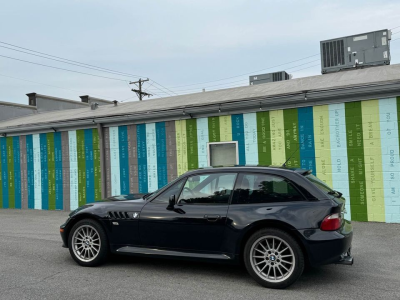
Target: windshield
150 196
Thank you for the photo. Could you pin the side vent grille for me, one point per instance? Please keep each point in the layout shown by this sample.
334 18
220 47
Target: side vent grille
277 76
333 53
119 215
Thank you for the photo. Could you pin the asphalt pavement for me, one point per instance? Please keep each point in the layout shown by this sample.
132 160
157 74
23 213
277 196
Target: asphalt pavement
33 265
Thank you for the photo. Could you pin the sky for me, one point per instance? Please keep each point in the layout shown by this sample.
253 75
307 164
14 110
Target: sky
183 46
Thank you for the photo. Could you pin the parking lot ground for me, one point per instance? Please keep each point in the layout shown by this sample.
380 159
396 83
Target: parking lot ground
35 266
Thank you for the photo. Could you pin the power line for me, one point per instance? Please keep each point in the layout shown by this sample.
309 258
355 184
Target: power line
59 87
43 65
79 64
248 73
305 68
226 83
66 60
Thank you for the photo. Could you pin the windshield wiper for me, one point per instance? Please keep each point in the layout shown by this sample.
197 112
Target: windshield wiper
147 195
335 193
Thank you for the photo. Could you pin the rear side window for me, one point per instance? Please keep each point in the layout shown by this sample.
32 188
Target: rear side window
264 188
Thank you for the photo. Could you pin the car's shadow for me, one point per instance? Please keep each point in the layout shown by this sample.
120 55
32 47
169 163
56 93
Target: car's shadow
319 276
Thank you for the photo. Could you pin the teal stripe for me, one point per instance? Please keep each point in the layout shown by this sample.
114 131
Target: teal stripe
17 172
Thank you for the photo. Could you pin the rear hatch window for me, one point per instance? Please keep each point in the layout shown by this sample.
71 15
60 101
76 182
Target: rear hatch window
326 189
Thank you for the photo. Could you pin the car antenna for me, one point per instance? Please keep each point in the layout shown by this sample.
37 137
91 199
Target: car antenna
284 164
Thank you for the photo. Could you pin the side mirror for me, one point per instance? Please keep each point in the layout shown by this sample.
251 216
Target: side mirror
171 202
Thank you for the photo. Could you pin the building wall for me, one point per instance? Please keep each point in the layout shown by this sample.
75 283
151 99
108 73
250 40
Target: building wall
354 147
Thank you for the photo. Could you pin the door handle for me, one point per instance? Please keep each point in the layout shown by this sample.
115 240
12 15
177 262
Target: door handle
212 218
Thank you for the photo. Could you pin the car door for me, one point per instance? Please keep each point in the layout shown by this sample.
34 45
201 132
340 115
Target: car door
196 222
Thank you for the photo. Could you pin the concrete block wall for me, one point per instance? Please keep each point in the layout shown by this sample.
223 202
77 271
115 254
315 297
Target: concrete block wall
353 147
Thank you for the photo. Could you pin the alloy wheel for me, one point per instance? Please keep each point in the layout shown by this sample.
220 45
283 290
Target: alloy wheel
86 243
272 259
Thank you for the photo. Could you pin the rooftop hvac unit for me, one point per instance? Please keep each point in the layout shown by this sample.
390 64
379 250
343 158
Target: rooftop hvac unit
362 50
270 77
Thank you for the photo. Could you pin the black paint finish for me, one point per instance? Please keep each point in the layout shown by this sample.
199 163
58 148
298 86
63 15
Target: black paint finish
218 231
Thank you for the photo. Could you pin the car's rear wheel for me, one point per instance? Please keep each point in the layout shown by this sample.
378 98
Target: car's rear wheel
273 258
88 244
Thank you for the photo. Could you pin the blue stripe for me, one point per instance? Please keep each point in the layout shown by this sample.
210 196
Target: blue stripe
123 159
4 171
17 171
88 135
30 172
142 157
306 138
59 170
161 154
238 135
44 171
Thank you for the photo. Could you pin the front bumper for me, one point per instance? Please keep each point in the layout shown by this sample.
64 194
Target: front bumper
64 234
326 247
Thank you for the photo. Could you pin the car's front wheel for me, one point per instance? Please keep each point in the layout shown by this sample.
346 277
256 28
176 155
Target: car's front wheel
88 244
273 258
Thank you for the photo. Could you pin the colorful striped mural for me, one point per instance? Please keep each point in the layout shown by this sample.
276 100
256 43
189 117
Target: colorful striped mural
354 147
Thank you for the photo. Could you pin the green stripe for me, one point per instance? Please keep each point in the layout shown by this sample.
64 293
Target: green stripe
213 129
10 163
291 126
96 164
264 138
355 154
80 145
1 181
191 144
51 165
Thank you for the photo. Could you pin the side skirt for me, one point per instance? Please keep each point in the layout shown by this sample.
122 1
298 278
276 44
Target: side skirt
150 251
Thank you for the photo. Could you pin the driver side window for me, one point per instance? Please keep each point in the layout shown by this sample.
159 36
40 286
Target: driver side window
212 189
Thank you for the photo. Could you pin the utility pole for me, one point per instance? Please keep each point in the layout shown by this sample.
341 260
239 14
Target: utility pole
139 92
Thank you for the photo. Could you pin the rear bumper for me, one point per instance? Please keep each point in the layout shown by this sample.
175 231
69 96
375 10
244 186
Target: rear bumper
326 247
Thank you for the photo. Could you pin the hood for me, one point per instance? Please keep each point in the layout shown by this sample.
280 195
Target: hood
128 197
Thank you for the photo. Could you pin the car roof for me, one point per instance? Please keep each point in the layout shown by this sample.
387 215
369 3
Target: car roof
252 168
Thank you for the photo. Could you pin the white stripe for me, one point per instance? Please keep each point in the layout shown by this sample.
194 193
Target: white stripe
152 177
340 171
250 138
114 162
37 171
390 158
73 170
202 140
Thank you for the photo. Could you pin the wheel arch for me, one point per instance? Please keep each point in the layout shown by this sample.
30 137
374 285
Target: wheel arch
289 229
80 217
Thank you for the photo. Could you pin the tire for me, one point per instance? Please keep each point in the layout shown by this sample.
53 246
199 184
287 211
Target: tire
88 243
261 262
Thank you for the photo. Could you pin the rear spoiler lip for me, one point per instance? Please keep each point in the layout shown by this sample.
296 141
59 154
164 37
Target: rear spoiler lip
303 172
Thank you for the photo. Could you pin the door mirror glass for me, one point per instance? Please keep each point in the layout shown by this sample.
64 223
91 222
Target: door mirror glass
171 202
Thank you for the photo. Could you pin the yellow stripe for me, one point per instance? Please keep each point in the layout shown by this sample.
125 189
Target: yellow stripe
225 128
184 147
322 143
277 137
373 161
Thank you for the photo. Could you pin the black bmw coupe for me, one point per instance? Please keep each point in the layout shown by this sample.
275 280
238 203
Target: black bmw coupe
274 220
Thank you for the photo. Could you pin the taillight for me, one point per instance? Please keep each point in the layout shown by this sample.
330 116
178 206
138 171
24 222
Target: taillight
331 222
